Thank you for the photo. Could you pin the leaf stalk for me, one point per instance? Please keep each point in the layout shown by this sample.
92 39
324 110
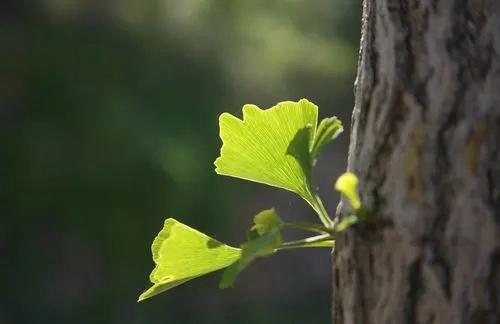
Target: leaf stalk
324 240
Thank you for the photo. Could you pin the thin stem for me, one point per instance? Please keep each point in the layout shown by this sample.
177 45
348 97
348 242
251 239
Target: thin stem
311 227
314 241
318 206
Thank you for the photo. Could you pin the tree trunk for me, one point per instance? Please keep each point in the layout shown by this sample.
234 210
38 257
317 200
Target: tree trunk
425 144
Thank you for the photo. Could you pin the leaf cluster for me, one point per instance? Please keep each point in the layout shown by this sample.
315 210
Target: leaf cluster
278 147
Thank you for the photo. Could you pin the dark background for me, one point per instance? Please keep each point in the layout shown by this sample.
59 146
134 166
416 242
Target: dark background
108 125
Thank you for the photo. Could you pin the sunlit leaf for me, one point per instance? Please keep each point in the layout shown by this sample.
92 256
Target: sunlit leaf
275 146
181 253
347 185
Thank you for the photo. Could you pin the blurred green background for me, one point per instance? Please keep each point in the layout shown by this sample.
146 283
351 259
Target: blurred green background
108 125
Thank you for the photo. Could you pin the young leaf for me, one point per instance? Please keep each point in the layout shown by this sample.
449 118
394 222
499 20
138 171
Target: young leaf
181 253
266 220
328 130
347 185
265 238
261 246
276 146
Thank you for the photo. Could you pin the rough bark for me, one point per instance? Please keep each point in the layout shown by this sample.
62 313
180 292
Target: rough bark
425 144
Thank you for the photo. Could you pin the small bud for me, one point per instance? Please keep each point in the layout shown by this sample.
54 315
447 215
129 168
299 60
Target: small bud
347 185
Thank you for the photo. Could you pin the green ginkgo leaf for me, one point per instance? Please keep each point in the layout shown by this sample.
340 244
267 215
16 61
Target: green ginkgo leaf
328 130
182 253
265 221
261 246
275 146
265 238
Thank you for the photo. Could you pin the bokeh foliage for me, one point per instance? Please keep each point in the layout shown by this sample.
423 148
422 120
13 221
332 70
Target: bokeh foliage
108 125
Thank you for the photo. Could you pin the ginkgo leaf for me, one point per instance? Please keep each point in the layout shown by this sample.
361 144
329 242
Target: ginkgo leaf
264 239
328 130
182 253
261 246
266 220
274 146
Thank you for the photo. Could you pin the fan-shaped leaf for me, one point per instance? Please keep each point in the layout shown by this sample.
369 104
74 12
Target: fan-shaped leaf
181 253
276 146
